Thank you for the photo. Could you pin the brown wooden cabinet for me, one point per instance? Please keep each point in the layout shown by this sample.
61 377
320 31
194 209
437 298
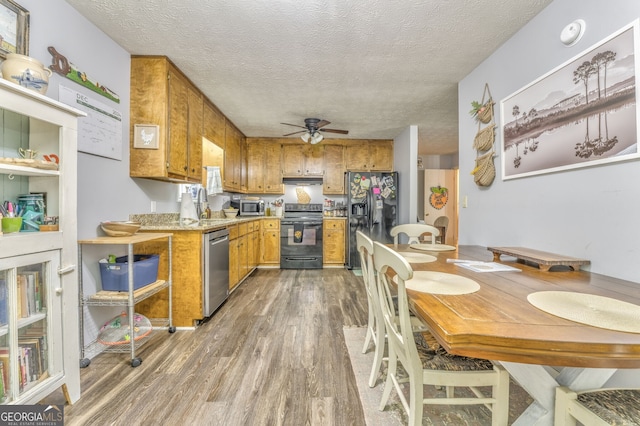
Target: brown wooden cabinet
372 155
333 242
270 242
233 169
302 160
213 126
242 251
264 172
334 169
161 95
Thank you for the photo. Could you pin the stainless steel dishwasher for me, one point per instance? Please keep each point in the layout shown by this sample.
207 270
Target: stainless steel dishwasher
216 270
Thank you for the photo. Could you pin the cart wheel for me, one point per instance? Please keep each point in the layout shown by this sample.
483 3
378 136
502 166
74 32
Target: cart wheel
136 362
172 329
84 363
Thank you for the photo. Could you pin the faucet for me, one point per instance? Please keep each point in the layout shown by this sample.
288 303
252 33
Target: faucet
200 200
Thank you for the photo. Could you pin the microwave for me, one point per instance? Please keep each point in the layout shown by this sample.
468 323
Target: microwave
249 207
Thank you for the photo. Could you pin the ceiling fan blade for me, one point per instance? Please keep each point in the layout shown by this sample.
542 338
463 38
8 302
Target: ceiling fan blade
322 123
295 133
344 132
295 125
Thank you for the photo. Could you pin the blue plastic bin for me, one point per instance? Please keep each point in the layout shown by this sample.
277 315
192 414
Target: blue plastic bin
115 276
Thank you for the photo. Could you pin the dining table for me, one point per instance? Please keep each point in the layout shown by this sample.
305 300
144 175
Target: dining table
496 319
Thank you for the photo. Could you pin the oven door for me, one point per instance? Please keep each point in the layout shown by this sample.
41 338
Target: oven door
300 244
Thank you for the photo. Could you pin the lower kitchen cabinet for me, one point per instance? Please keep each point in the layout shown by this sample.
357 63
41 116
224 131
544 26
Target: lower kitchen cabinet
242 255
270 242
333 243
186 258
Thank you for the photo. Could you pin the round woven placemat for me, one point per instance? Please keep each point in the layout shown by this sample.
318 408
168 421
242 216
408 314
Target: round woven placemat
417 257
441 283
589 309
432 247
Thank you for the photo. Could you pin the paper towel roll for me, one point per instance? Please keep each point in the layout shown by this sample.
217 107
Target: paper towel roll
188 214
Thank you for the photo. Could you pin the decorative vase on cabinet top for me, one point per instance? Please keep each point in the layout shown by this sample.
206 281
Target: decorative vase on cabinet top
26 72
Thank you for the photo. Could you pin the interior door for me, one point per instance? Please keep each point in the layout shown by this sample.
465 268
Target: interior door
441 199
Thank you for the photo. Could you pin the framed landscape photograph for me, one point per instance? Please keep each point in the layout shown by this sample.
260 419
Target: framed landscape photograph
582 113
14 29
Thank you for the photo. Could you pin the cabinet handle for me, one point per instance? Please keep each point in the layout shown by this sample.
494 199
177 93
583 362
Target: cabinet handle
66 269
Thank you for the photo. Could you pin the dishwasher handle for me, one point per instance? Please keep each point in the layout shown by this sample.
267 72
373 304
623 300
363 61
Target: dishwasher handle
218 240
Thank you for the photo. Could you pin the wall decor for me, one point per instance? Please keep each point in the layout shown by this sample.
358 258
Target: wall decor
146 136
14 29
485 170
439 197
61 65
582 113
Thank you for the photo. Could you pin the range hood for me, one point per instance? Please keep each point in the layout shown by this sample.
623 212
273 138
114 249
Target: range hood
302 180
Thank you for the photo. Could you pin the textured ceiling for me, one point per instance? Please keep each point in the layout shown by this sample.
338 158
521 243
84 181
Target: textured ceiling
372 67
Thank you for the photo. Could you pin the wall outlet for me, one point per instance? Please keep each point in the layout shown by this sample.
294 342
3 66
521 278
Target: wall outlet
153 207
464 202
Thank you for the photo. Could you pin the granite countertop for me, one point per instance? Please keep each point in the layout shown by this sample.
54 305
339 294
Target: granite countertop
171 222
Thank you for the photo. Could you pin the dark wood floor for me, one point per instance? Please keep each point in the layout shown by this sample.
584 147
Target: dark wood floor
274 354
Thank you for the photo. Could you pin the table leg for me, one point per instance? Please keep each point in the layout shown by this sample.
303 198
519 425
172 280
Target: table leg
540 382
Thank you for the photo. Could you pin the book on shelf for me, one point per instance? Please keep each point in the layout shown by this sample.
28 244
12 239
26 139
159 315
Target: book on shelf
30 293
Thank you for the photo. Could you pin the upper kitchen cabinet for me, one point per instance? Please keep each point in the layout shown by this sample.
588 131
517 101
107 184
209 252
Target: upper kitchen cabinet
372 155
162 95
333 182
302 160
214 124
264 172
234 179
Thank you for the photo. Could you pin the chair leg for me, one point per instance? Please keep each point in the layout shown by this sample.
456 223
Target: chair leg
416 398
388 385
500 392
370 326
380 341
562 416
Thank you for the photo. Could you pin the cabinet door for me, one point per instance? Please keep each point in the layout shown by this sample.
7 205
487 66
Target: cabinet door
177 147
314 160
232 159
357 157
293 160
30 323
382 156
256 167
194 172
333 248
213 125
334 169
234 262
273 168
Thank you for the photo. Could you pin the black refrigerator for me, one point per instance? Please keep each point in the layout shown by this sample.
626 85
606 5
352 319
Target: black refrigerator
372 207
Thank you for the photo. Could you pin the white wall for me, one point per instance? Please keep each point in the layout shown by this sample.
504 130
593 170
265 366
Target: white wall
405 162
588 213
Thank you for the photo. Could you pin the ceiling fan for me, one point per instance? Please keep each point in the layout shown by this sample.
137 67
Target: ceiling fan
312 128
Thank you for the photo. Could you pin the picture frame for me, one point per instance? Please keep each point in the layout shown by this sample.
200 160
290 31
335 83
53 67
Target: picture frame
582 113
145 136
14 29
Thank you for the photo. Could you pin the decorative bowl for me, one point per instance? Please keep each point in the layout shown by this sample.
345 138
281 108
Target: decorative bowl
120 229
26 72
230 213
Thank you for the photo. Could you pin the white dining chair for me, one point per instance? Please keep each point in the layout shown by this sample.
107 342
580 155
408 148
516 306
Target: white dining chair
600 407
414 231
375 324
429 367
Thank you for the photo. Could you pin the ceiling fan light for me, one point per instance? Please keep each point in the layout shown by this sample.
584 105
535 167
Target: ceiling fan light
316 138
306 137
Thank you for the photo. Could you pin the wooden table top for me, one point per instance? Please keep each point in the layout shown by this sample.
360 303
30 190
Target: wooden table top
497 322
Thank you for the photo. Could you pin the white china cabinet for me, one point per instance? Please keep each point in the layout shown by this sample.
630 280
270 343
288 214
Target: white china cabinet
39 342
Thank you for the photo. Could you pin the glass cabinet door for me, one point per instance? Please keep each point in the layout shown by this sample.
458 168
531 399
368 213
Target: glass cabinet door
29 294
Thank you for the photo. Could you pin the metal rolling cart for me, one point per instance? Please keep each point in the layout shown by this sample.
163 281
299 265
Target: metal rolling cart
128 298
